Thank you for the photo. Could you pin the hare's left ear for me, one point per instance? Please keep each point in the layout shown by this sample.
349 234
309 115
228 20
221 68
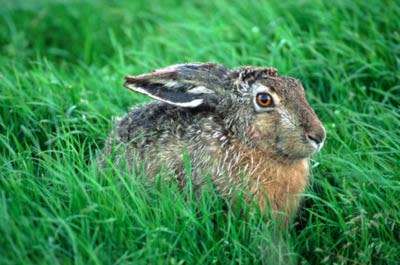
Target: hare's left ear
184 85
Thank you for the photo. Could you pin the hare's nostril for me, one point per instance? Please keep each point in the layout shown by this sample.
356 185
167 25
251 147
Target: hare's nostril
317 136
314 138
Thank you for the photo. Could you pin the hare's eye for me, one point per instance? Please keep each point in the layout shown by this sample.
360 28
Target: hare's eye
264 100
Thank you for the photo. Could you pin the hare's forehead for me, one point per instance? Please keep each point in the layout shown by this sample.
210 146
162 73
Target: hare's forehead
282 87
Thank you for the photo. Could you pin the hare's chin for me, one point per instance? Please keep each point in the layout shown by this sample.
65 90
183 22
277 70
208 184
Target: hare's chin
291 154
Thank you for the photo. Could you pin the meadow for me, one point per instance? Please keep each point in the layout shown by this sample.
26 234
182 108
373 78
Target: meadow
62 65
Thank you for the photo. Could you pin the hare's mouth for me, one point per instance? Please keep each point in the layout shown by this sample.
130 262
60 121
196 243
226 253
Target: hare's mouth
316 142
316 145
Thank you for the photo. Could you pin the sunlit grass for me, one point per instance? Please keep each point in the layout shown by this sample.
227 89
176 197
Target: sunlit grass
61 69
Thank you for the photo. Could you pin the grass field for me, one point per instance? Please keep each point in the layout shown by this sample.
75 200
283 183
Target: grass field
61 70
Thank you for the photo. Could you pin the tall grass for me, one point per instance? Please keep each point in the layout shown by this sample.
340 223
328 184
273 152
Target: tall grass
61 69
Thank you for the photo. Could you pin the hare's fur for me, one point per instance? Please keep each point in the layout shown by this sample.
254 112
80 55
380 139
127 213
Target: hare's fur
208 114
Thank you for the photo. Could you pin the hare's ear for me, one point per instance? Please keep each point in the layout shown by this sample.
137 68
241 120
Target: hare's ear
184 85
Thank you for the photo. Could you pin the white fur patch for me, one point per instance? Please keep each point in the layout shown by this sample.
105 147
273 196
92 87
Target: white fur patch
200 90
171 84
287 119
258 88
190 104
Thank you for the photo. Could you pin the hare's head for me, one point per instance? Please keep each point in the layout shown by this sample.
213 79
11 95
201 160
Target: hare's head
258 107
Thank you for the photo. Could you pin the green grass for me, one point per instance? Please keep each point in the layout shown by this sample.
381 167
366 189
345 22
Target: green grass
61 69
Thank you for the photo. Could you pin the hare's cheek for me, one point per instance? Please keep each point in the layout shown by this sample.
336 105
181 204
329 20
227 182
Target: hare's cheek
264 129
253 133
287 120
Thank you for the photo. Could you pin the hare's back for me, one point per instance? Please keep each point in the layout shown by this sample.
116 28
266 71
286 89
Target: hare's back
151 122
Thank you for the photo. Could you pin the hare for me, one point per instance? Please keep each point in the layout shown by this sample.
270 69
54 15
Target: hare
245 128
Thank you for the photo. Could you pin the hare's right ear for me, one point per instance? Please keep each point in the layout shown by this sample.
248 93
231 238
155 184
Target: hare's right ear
184 85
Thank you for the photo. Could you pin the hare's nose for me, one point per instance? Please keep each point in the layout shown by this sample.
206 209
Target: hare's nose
317 135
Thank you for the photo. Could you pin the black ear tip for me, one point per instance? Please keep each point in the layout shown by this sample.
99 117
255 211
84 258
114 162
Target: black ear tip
129 79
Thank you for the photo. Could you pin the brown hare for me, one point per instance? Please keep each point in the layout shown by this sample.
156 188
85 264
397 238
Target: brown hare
246 128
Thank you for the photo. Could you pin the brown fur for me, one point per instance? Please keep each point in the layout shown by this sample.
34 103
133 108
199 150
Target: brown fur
278 184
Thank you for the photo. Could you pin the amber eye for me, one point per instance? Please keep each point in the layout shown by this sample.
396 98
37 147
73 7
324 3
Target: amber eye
264 100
